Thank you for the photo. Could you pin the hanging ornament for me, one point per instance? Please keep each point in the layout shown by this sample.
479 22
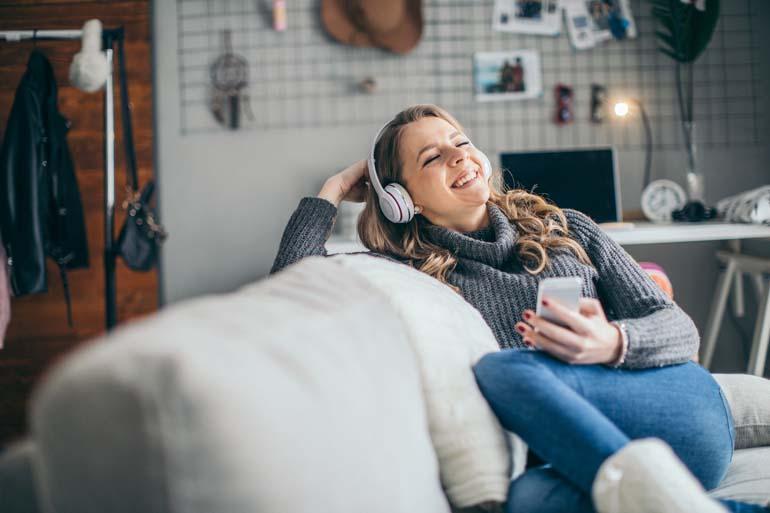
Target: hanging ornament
598 103
563 95
230 78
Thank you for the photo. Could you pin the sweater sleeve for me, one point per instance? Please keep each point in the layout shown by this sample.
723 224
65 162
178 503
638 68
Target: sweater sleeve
306 232
659 331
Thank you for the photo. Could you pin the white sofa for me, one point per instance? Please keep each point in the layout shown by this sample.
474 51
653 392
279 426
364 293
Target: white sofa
301 392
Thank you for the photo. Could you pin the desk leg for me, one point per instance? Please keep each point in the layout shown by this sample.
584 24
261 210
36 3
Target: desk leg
759 285
739 307
761 336
717 312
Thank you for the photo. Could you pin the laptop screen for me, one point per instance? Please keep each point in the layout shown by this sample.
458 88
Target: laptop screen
584 180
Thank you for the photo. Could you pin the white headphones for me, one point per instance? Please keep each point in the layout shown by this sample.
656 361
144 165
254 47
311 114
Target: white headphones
395 202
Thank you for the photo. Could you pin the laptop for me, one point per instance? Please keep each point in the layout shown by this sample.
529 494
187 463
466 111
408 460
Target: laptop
584 180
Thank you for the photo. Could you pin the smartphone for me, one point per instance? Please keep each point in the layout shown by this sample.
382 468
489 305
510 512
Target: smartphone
564 290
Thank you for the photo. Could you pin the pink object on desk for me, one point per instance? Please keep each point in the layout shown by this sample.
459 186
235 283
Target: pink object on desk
279 15
659 276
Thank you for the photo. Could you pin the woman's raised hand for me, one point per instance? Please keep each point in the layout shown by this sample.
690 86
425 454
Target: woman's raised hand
588 338
349 184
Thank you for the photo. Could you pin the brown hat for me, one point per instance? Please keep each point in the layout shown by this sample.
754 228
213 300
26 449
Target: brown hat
394 25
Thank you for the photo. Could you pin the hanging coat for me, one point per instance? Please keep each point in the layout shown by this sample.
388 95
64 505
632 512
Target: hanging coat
41 213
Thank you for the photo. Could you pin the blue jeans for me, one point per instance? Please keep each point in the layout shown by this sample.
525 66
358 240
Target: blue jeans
576 416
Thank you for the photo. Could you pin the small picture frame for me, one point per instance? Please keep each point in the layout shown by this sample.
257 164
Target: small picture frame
527 17
511 75
590 22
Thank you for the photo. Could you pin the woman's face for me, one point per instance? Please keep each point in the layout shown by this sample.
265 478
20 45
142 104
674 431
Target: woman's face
435 157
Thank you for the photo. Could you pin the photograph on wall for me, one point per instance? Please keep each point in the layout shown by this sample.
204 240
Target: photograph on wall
590 22
511 75
527 17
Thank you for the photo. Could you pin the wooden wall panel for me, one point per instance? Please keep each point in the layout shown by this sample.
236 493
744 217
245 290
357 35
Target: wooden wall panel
38 334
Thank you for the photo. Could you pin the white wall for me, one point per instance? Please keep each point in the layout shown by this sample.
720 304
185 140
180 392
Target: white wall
226 197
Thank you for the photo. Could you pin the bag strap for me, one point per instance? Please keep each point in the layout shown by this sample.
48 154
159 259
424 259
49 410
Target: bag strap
65 284
132 179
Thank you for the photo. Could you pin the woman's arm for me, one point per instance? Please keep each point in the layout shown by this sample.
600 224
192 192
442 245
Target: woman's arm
659 332
311 223
306 232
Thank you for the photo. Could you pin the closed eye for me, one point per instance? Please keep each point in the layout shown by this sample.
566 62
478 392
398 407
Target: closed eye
436 156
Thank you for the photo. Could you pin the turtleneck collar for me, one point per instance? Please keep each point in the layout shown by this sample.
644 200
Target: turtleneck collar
493 245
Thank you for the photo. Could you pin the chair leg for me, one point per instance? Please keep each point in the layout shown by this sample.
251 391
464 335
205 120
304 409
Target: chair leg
738 304
759 286
716 313
739 307
761 337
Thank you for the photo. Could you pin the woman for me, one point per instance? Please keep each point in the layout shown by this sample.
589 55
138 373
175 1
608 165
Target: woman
589 389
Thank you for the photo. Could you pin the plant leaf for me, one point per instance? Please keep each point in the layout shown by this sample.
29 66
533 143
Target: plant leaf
686 31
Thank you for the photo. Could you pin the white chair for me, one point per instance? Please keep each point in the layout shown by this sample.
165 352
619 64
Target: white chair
736 265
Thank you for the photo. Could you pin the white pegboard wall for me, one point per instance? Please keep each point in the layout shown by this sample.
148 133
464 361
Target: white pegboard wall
302 78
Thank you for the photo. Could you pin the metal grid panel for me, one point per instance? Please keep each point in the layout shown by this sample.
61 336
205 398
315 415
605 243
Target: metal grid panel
301 78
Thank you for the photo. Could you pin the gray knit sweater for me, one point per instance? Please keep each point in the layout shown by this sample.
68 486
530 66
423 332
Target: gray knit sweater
491 278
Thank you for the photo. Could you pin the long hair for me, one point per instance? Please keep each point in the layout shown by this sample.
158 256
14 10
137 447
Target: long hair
541 226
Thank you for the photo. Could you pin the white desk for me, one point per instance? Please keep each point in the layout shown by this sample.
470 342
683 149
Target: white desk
641 233
731 278
660 233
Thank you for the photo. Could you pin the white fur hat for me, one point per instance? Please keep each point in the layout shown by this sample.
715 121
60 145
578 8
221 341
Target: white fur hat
89 68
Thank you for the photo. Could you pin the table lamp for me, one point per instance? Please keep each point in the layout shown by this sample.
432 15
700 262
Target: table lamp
662 200
622 109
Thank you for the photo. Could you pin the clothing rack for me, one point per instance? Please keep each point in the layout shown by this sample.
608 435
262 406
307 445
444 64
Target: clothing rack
109 38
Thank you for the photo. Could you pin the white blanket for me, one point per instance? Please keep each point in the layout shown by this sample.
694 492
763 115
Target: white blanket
477 458
747 207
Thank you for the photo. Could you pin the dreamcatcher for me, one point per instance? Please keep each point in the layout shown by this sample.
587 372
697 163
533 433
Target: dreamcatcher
230 78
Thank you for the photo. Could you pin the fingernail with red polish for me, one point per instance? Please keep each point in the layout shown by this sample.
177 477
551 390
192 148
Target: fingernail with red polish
545 302
521 328
527 315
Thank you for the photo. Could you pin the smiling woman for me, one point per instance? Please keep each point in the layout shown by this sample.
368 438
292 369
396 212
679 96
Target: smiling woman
426 150
569 400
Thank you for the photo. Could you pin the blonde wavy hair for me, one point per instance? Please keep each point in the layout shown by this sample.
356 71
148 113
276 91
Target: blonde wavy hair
541 226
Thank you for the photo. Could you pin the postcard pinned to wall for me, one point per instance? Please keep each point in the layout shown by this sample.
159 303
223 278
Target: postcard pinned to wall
527 17
590 22
511 75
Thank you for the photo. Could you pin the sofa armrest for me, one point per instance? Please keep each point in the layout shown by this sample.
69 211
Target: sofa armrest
299 392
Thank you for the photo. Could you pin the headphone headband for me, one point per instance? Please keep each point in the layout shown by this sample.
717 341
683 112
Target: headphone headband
370 162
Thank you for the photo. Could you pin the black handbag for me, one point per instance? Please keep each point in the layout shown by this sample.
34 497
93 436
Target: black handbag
141 235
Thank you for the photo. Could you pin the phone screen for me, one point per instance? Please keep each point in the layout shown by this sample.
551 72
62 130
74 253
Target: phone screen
564 290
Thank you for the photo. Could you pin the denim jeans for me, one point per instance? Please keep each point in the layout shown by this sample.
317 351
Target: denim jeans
575 416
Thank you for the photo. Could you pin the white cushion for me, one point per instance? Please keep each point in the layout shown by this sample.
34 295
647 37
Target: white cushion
748 478
297 393
749 400
449 336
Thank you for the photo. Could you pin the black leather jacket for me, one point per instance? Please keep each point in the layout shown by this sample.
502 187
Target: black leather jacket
40 209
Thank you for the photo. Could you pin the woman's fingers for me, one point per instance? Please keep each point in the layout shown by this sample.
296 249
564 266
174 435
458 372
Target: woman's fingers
354 181
559 335
549 345
590 306
571 318
572 352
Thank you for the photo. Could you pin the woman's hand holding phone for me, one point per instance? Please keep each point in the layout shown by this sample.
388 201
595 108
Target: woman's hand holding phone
350 184
586 338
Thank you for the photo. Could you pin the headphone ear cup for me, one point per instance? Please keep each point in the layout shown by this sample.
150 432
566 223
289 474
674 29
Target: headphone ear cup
400 203
389 208
486 165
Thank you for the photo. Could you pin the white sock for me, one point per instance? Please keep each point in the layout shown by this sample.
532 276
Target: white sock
646 476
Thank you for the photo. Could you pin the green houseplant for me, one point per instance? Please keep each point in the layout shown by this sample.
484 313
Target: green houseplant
685 30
